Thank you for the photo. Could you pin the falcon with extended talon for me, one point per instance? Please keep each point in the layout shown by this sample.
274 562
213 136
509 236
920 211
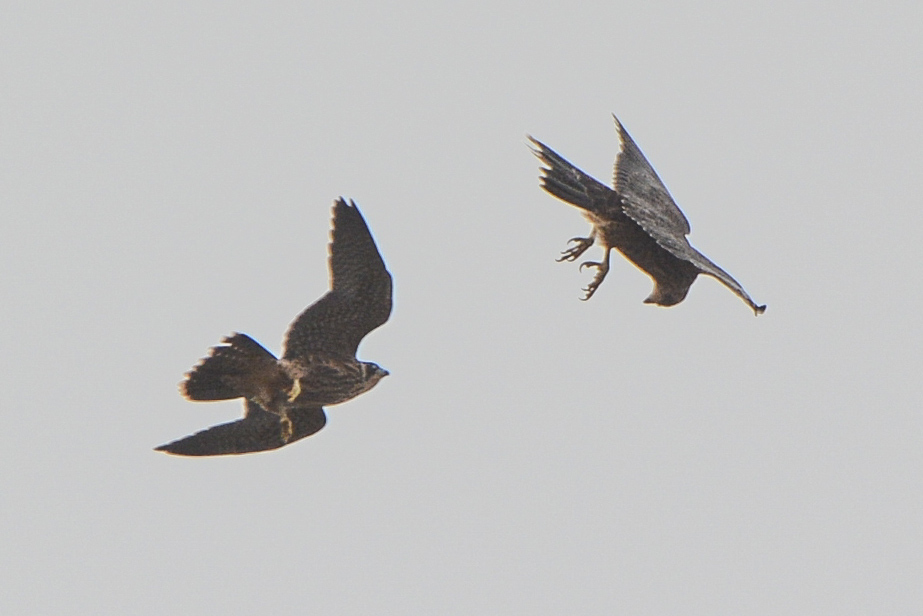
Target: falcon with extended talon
285 397
637 217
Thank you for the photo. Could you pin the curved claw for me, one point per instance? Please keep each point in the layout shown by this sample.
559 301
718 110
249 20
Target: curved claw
602 268
588 291
595 264
581 244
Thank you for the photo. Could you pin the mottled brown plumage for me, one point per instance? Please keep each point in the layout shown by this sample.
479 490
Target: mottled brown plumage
637 217
285 397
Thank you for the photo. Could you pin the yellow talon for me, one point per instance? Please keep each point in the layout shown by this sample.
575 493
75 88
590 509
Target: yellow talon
296 390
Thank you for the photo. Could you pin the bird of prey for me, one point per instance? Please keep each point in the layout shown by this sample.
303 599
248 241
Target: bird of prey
285 397
637 217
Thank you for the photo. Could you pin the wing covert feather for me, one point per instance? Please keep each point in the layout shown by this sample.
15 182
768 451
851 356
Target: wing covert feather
359 299
645 199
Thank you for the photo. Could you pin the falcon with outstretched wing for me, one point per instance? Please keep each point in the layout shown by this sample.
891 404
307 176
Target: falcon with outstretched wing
285 397
637 217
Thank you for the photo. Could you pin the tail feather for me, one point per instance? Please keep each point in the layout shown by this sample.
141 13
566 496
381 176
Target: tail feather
568 183
220 375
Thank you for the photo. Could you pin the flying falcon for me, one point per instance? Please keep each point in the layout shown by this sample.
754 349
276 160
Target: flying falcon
285 397
637 217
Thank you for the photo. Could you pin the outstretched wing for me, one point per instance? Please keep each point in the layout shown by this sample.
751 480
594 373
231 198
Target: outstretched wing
359 299
645 198
647 202
259 430
568 183
690 254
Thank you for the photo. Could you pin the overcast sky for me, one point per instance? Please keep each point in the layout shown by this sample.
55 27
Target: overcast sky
166 177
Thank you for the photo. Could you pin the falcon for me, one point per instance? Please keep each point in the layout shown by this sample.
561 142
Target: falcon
637 217
285 398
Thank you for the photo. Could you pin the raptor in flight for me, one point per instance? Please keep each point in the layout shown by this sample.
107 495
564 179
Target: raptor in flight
285 397
637 217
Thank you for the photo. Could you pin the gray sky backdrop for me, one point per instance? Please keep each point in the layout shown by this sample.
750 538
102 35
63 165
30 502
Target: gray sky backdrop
166 176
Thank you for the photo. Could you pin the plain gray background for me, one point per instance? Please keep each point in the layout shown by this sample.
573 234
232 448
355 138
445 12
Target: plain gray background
166 178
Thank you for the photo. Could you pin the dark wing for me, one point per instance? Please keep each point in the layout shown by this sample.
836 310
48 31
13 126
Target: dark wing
645 198
568 183
647 202
690 254
259 430
359 299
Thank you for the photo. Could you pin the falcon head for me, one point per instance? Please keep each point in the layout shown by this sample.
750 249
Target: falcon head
372 373
667 295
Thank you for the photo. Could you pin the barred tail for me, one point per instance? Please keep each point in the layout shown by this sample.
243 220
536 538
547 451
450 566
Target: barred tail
567 182
223 374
